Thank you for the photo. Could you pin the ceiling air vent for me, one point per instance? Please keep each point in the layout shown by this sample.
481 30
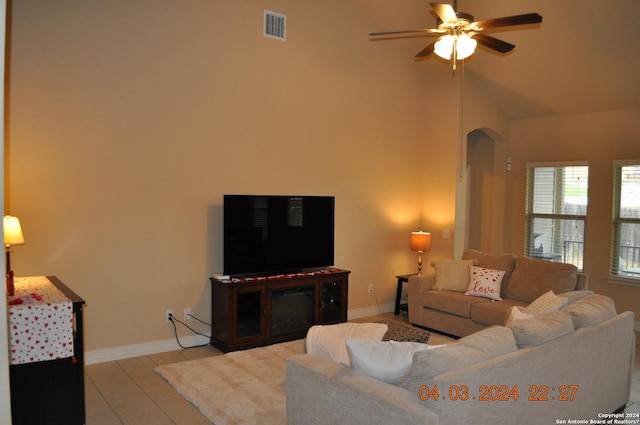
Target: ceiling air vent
275 25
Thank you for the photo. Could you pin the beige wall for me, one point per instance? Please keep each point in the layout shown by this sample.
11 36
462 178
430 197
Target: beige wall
599 138
128 121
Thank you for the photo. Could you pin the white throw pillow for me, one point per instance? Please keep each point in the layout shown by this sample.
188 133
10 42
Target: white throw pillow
387 361
546 303
485 282
452 275
516 313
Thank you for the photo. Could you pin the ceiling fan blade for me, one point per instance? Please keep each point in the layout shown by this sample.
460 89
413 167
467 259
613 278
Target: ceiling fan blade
425 31
445 12
493 43
507 21
425 52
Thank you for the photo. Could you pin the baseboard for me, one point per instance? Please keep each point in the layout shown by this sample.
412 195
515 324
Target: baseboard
153 347
144 349
370 311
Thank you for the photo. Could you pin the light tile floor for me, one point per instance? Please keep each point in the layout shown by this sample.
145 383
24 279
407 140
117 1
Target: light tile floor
129 392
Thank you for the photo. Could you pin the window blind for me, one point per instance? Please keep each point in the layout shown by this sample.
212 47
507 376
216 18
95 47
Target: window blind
556 210
625 243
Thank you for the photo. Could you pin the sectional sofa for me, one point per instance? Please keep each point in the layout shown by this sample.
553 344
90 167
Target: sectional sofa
572 364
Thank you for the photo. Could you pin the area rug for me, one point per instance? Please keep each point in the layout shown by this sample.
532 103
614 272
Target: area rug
238 388
248 387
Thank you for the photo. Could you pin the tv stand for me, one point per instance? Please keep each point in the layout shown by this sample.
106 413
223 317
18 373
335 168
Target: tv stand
256 311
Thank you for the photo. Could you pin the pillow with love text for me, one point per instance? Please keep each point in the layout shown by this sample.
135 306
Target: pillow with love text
485 282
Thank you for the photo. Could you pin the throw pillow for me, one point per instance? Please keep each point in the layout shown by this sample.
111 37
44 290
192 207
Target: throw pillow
485 282
452 275
516 313
506 262
546 303
533 277
387 361
540 329
329 340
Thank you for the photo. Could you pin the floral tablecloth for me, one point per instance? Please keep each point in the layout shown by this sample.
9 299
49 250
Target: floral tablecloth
40 321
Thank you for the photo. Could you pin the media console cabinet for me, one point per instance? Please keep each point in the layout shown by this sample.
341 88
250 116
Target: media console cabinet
259 311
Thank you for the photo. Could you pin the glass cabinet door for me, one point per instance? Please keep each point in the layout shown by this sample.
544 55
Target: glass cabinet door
332 299
249 314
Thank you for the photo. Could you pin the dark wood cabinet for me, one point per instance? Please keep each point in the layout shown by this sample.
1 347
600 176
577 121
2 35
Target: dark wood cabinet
52 392
259 311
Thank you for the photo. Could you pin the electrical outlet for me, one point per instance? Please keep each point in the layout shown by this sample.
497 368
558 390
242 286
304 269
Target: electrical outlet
370 289
168 314
187 313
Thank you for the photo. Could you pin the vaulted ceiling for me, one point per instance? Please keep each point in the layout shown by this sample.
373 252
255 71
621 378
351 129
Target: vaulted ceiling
583 57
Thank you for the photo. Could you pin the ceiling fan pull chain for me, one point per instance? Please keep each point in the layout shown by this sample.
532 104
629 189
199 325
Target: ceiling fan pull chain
454 56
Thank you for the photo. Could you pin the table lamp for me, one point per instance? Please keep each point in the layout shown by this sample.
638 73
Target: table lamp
420 242
12 236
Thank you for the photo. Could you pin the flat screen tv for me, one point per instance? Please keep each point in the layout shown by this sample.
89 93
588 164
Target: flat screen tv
266 235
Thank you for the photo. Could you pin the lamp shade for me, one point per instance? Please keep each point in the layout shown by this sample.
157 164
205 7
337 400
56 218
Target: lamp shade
420 241
12 231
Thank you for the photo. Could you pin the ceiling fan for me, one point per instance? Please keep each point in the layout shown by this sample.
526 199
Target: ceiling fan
458 34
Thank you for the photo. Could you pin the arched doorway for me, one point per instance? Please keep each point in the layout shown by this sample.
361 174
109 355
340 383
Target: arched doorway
485 191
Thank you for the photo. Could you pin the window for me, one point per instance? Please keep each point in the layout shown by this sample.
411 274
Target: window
625 252
556 211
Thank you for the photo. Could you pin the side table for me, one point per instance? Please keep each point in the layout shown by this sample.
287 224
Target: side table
401 306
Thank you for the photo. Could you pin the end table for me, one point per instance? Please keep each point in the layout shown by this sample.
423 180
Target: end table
401 306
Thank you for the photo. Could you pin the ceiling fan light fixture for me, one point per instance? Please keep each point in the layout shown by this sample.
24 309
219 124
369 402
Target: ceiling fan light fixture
444 47
464 46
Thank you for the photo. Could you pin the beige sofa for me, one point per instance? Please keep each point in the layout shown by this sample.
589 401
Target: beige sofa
452 312
572 364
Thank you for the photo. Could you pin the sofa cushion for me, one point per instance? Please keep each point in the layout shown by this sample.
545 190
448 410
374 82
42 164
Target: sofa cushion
475 348
387 361
493 313
540 329
533 277
504 262
452 275
590 310
485 282
451 302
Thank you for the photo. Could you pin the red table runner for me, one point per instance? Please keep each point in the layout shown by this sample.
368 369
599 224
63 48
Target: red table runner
40 321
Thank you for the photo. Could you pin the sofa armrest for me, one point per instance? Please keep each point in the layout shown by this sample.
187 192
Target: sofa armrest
582 281
416 286
321 391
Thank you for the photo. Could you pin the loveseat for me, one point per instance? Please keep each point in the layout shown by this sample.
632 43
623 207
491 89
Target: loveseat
571 364
441 302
